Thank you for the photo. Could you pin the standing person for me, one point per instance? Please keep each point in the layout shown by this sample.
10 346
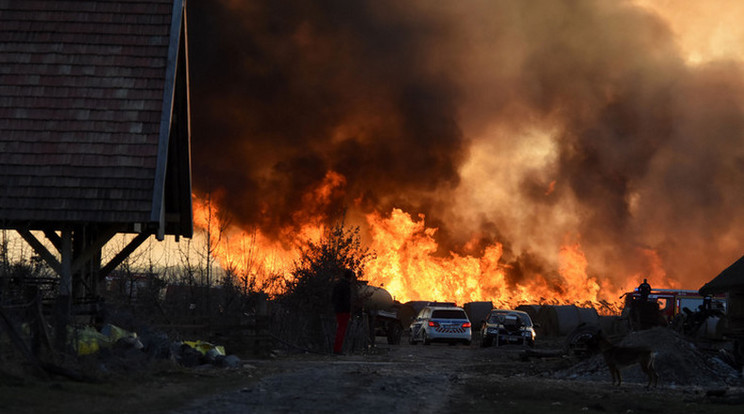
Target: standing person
644 289
341 299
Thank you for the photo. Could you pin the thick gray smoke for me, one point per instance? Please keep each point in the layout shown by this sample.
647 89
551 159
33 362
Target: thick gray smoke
524 122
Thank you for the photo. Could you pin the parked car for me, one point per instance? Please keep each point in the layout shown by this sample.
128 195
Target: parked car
507 327
441 324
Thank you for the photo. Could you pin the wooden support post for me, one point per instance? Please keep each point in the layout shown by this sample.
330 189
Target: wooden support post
64 299
86 264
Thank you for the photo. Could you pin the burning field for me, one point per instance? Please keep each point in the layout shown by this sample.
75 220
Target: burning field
518 152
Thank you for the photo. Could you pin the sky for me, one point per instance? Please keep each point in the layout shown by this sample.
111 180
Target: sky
532 124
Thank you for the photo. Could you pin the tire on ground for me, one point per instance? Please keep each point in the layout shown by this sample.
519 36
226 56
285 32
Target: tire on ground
394 332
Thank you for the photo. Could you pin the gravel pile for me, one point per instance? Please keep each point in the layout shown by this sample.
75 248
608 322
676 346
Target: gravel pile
678 362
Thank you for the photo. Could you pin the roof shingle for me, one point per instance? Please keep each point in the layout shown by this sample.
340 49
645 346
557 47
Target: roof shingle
81 105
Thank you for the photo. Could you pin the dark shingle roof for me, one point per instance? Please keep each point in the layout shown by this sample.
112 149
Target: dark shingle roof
82 86
731 278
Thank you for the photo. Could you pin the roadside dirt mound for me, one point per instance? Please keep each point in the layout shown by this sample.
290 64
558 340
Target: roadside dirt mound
678 361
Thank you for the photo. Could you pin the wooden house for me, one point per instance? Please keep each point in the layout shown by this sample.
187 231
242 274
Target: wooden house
94 129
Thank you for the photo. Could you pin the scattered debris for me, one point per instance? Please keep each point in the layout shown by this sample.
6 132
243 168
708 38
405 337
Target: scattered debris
116 349
87 340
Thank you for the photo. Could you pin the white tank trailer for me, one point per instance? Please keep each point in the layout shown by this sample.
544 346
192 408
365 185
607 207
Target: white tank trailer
382 312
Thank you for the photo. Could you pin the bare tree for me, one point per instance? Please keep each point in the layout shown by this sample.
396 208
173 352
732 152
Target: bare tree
197 261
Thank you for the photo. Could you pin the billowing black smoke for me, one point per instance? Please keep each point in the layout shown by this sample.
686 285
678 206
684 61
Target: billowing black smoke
402 98
283 92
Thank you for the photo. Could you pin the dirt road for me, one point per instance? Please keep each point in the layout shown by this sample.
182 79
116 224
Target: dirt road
442 379
390 379
394 379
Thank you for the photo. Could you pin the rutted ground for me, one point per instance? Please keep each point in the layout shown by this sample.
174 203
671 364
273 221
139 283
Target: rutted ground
387 380
391 379
443 379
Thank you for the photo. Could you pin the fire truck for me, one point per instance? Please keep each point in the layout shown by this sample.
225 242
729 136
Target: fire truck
664 305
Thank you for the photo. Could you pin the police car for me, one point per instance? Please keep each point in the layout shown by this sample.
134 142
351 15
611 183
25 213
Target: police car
441 324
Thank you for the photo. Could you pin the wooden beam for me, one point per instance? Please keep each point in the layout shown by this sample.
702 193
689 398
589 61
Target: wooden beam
54 238
123 254
65 268
93 249
158 199
40 249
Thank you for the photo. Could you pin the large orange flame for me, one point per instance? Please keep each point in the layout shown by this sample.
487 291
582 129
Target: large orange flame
407 267
408 264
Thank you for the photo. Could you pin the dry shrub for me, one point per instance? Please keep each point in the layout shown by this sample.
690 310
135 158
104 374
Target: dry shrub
304 315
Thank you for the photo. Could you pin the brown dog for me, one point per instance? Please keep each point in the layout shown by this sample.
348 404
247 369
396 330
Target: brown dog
618 357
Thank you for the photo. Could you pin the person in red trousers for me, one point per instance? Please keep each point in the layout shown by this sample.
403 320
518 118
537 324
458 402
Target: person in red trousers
341 299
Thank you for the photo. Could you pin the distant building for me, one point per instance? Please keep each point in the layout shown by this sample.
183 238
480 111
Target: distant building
132 286
731 282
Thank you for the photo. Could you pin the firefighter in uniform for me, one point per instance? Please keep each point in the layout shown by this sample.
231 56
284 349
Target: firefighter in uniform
644 289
